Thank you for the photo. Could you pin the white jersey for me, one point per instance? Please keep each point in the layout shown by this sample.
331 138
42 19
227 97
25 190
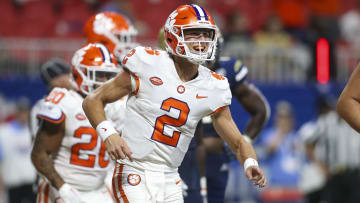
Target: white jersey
82 160
34 122
115 112
163 111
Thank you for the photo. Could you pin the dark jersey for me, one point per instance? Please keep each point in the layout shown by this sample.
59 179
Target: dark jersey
216 164
236 73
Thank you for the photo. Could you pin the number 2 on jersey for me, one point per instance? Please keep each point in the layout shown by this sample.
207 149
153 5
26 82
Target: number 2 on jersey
163 120
90 161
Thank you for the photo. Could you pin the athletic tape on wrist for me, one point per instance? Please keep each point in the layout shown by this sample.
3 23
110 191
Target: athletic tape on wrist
105 129
250 162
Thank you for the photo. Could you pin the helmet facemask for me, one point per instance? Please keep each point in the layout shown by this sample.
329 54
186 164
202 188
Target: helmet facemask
94 76
196 51
92 65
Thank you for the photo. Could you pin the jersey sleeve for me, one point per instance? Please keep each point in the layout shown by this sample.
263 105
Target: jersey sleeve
51 113
221 95
34 122
136 61
50 109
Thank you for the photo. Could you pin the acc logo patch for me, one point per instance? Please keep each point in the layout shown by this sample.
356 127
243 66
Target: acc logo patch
133 179
156 81
80 116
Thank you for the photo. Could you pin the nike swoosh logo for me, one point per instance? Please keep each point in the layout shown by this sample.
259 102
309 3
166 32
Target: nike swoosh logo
177 182
200 97
104 129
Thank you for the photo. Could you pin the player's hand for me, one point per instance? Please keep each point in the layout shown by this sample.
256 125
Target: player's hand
69 194
255 174
117 148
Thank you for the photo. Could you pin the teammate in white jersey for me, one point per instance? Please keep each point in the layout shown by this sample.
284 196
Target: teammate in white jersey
67 151
55 73
117 33
169 93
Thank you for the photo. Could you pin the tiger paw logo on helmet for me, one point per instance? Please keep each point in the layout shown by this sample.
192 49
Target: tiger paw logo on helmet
185 18
113 30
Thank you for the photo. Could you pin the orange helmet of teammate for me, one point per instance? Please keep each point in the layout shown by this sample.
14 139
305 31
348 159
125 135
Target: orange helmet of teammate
92 65
113 30
190 17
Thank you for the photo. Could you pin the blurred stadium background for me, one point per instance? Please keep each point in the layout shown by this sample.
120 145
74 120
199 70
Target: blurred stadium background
295 50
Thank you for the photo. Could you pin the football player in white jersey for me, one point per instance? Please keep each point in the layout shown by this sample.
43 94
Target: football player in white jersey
55 73
118 34
169 92
67 152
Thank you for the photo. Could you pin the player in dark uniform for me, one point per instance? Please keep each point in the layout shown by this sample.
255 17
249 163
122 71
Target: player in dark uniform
218 154
192 168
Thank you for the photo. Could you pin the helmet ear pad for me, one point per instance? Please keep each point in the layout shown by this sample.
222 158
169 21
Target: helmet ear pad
177 47
173 42
76 77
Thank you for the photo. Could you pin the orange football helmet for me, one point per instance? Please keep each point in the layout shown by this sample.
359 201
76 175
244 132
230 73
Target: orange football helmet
190 17
113 30
92 65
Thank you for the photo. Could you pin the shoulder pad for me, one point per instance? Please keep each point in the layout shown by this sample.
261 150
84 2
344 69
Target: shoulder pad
237 65
137 58
56 95
50 112
219 81
220 90
241 74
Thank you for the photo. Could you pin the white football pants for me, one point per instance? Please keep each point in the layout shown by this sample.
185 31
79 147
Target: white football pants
144 186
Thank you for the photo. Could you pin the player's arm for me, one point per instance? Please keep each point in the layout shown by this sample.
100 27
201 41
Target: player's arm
227 129
93 106
46 145
348 105
256 105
